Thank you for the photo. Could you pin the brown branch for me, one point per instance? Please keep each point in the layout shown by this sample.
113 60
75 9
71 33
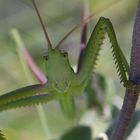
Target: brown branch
131 96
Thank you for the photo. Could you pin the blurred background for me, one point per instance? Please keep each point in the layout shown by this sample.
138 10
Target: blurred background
59 16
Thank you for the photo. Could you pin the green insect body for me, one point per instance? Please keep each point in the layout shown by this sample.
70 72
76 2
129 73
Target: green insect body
65 81
62 82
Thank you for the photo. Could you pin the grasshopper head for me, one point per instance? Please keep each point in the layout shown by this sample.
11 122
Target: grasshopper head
58 69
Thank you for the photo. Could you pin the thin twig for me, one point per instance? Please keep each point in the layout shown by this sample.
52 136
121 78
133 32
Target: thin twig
131 96
27 65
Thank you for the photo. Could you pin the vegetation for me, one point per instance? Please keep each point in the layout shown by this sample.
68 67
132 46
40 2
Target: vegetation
98 103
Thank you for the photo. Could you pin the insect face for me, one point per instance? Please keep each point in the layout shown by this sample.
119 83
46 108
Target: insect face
59 71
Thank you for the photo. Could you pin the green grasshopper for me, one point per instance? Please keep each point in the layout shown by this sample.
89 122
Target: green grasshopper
66 83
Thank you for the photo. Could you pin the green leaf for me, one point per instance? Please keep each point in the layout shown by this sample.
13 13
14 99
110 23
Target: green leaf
2 136
78 133
99 92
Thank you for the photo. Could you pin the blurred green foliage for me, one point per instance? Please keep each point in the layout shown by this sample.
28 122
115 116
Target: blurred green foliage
59 16
78 133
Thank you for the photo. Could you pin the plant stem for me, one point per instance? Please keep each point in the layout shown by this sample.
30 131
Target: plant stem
21 50
131 96
44 123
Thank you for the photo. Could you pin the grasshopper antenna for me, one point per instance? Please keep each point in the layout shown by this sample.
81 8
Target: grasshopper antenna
86 20
42 24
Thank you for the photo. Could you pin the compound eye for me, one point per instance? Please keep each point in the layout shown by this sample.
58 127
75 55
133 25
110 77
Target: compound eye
65 54
45 57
